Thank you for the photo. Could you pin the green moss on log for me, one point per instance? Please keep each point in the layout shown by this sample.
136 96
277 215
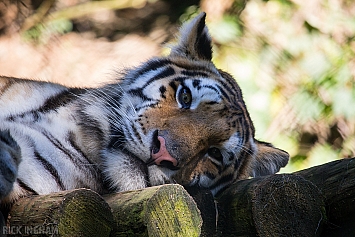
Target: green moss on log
166 210
80 212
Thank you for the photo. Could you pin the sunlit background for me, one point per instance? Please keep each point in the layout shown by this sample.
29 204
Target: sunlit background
294 59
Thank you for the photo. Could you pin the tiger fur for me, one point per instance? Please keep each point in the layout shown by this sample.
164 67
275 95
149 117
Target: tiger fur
174 119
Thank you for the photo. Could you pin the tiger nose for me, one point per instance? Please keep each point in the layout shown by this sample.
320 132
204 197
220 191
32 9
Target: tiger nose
163 157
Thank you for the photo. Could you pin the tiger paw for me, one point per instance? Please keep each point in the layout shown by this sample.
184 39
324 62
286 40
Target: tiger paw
10 156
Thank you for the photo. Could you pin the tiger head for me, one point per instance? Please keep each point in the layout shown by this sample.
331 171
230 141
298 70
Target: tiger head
190 124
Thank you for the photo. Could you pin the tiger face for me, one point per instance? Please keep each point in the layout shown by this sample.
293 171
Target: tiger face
174 119
188 121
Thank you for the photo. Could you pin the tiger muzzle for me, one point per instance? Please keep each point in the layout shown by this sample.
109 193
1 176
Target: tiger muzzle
160 155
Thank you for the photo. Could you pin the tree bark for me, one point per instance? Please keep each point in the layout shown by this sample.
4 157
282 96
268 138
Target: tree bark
319 201
277 205
80 212
166 210
336 181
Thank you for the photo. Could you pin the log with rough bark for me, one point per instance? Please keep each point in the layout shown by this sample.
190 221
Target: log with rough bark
80 212
166 210
319 201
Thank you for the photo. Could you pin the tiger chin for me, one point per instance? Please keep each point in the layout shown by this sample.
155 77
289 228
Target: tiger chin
174 119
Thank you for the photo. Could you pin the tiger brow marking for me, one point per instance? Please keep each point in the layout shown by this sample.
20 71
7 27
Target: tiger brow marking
196 83
211 88
194 73
168 71
151 65
50 168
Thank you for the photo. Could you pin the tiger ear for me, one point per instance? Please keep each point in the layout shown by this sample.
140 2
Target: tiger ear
268 159
194 41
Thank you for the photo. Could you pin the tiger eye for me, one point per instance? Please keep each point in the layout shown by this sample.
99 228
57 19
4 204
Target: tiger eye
215 153
185 97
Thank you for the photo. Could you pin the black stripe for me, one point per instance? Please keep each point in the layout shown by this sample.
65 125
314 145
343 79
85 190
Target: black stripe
224 180
210 175
225 95
78 162
136 134
87 123
162 90
149 66
211 88
211 102
153 104
231 83
139 92
71 140
173 86
194 67
169 71
194 73
59 100
50 168
26 187
51 104
196 83
218 167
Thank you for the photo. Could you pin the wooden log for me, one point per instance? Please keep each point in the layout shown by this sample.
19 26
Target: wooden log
336 180
319 201
299 204
276 205
166 210
80 212
208 208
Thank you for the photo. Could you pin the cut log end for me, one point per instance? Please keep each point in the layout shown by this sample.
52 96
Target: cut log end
287 205
166 210
80 212
277 205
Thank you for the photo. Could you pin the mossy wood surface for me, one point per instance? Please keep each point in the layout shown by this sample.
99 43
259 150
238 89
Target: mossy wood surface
319 201
336 181
80 212
277 205
166 210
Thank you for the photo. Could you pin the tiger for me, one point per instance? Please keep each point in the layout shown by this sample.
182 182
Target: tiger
173 119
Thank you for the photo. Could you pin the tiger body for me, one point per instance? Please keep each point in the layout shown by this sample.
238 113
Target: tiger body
174 119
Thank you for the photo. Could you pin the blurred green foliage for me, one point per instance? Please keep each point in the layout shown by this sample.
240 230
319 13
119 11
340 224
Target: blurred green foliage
294 61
